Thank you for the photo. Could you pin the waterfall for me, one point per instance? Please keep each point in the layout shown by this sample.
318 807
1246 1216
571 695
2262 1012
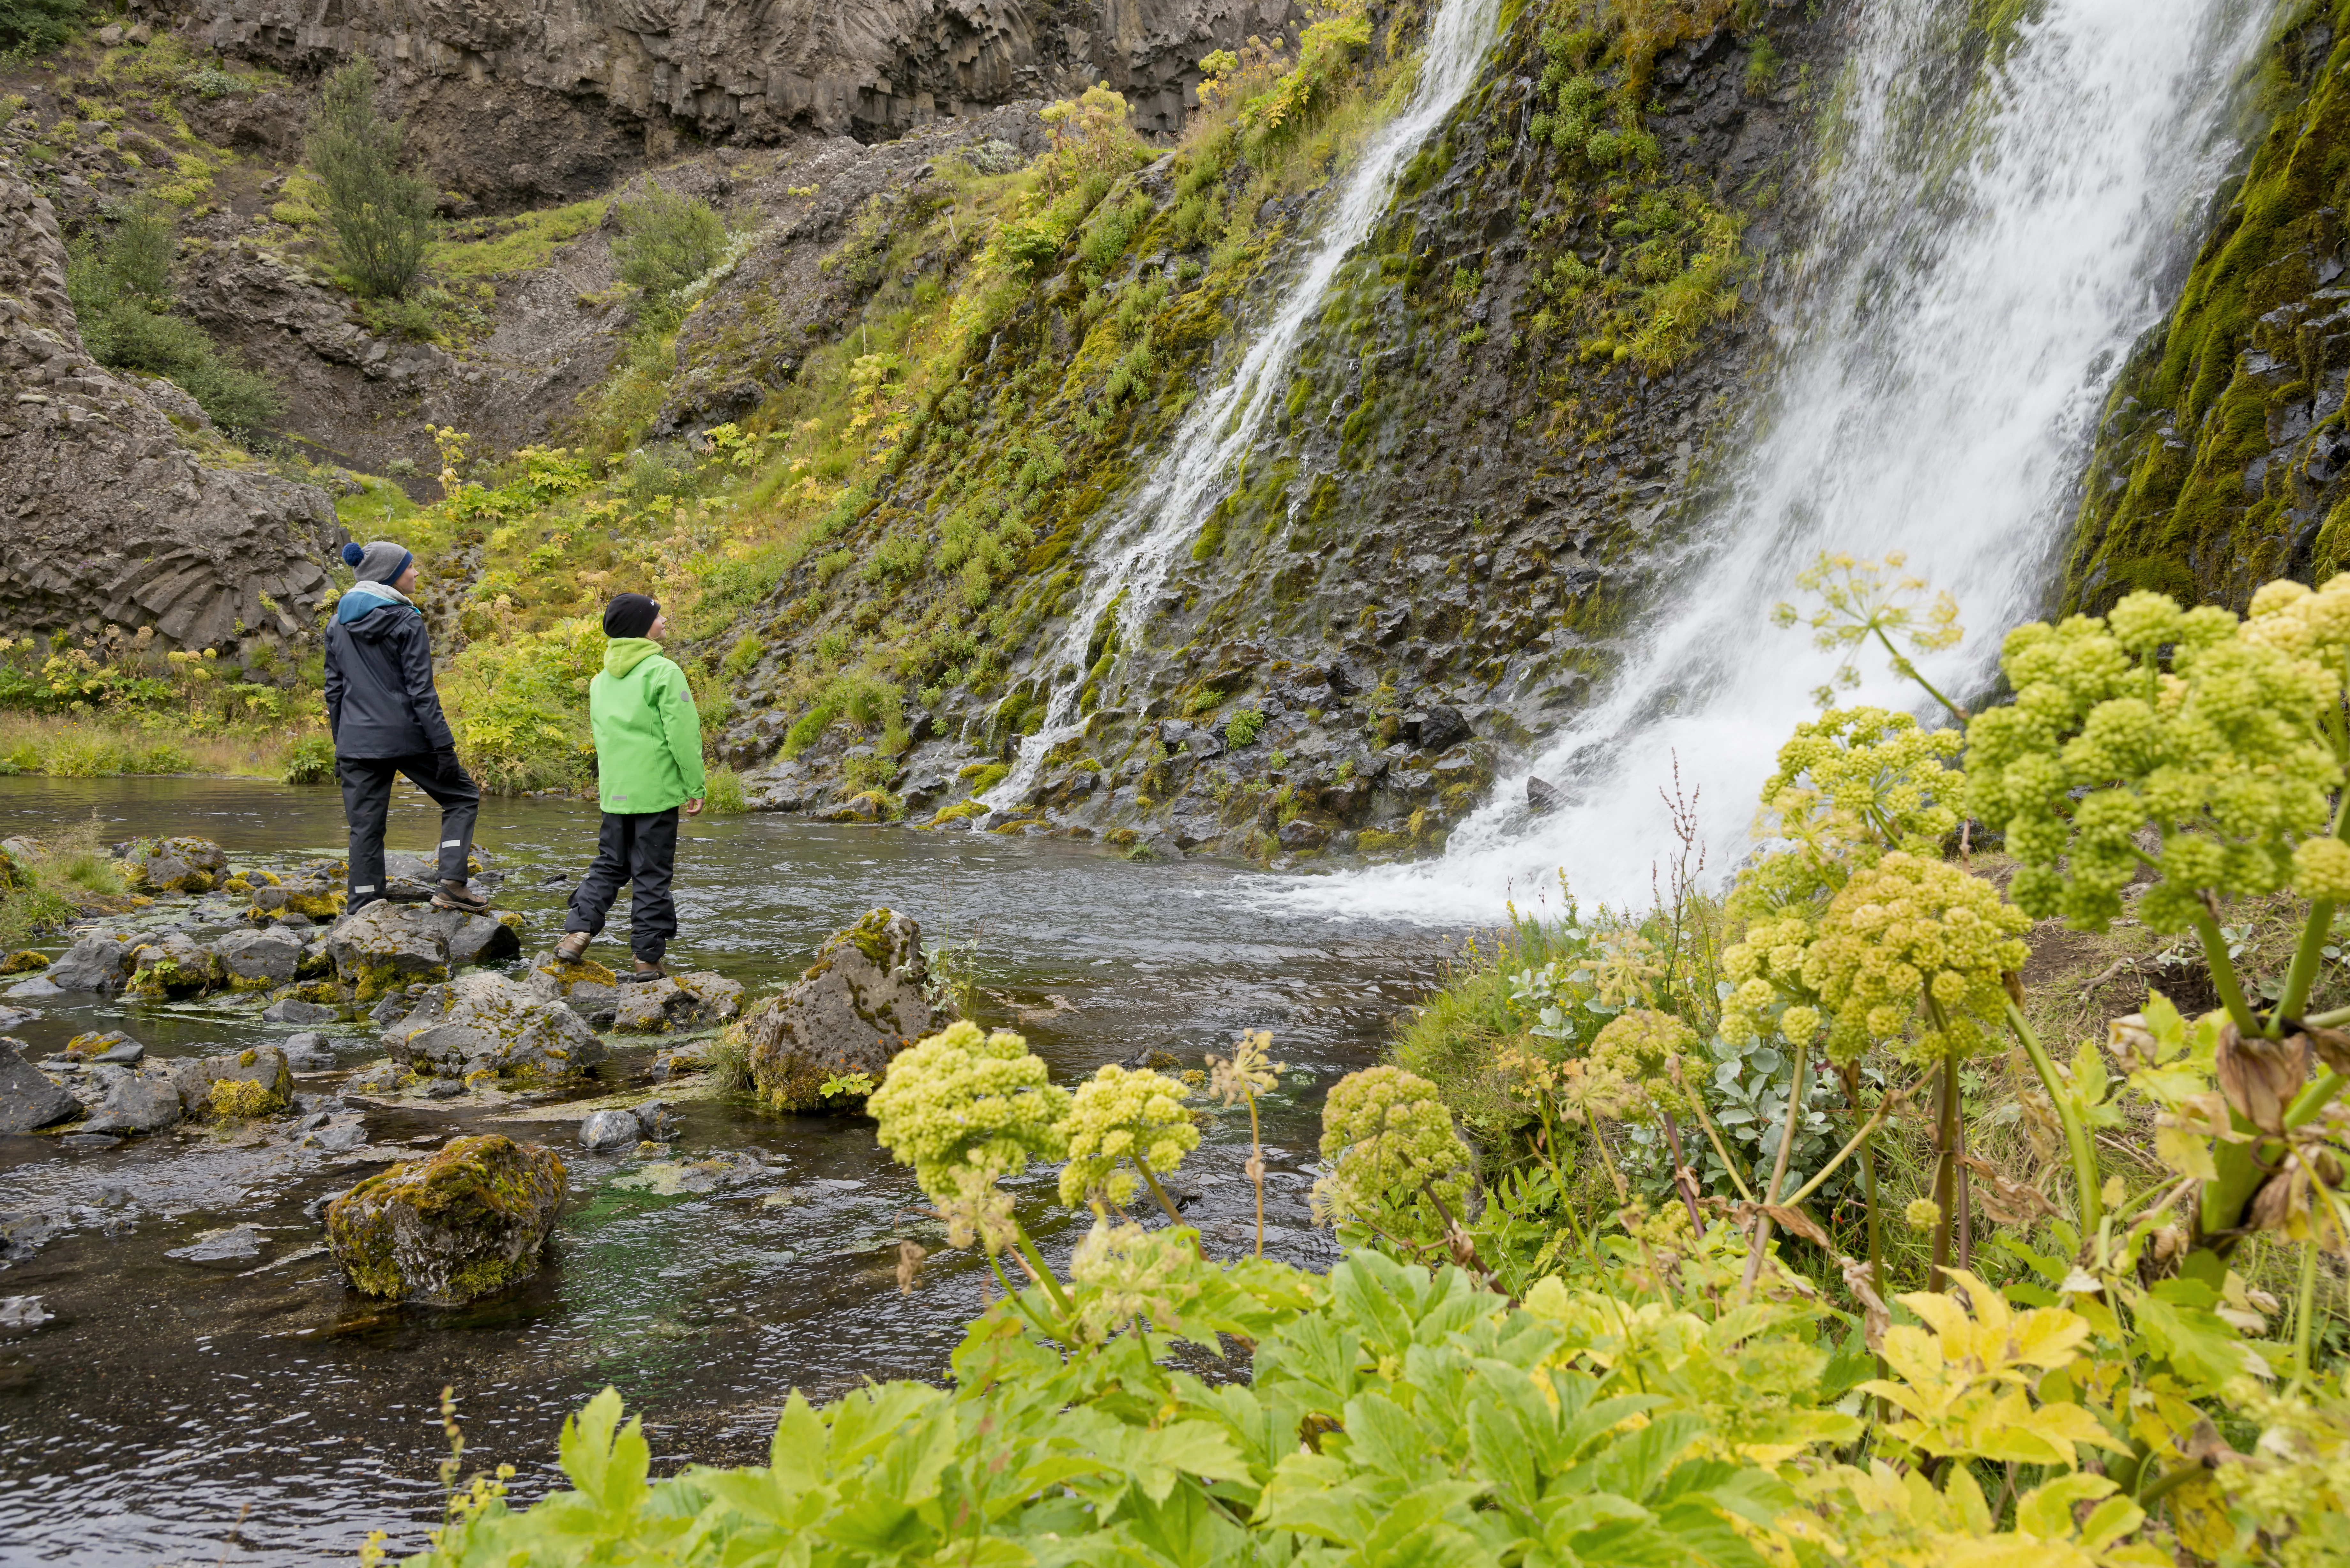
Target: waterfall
1220 429
1970 287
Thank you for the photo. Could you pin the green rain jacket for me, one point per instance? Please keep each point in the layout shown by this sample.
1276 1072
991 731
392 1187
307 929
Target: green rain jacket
647 733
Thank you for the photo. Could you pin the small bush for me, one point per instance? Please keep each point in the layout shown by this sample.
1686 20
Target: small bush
38 26
381 218
743 655
120 290
311 762
721 793
666 242
1241 728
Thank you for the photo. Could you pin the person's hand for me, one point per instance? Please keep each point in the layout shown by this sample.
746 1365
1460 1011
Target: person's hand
448 769
694 807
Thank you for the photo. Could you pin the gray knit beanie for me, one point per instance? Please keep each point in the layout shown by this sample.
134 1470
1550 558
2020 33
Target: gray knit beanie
381 562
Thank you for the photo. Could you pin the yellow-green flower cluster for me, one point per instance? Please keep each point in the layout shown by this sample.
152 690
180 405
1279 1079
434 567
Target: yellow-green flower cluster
1913 942
966 1109
1864 777
2223 753
1118 1116
1643 1047
1389 1140
1765 970
1124 1272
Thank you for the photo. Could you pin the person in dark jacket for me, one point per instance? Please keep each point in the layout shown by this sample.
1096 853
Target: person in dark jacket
386 719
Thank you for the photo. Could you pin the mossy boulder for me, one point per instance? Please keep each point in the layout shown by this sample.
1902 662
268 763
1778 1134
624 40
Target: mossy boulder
586 987
482 1023
175 965
681 1002
864 999
256 960
451 1228
387 946
184 864
265 1068
316 899
24 962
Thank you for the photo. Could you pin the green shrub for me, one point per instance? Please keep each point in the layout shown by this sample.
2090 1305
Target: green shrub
1242 727
381 218
721 793
743 655
36 26
120 290
666 242
311 762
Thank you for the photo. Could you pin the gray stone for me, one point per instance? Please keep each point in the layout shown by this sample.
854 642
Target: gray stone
184 864
195 1076
1542 796
124 1052
656 1121
28 1100
609 1130
339 1137
481 1021
22 1312
1302 834
388 945
681 1002
94 963
293 1010
138 1102
1442 728
467 1221
308 1052
858 1006
12 1017
175 964
40 988
253 958
586 987
235 1244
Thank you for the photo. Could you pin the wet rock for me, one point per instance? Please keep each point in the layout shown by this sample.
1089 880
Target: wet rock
24 962
861 1002
253 961
586 987
339 1135
308 898
1542 796
308 1052
609 1130
98 963
113 1046
382 1078
176 965
293 1010
387 946
681 1002
138 1102
41 988
484 1023
460 1224
235 1244
672 1177
656 1122
23 1234
22 1312
1302 834
88 1141
207 1083
13 1017
28 1100
1441 728
180 865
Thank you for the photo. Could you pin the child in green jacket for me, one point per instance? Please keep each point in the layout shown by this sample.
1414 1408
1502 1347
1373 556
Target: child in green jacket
648 765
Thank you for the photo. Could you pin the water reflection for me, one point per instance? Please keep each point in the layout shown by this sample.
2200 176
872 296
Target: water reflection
167 1395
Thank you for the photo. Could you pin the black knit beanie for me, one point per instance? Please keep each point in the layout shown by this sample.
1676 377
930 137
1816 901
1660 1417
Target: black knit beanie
630 615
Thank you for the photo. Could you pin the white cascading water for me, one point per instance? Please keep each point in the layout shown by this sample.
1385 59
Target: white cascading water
1220 428
1967 297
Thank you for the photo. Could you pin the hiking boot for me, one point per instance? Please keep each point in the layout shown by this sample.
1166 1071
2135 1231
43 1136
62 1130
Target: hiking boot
452 895
649 971
573 947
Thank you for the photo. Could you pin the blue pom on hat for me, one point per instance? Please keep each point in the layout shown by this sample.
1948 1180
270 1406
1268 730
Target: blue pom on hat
351 553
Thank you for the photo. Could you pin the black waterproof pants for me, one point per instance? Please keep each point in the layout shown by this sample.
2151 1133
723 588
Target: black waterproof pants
366 801
640 849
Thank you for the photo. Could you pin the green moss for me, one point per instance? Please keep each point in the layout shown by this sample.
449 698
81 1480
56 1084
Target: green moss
489 247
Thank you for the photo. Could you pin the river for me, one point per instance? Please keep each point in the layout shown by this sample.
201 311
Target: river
167 1399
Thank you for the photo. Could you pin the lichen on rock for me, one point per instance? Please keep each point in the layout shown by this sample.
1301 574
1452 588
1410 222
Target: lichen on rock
482 1023
451 1228
862 1000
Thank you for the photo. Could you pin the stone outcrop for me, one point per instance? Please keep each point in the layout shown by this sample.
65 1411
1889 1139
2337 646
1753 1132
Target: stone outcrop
485 1023
100 962
505 91
28 1100
199 1081
184 864
681 1002
467 1222
135 1102
586 987
861 1002
175 965
387 946
255 960
115 515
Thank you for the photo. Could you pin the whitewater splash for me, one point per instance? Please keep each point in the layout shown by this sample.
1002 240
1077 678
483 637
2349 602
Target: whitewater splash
1948 344
1223 427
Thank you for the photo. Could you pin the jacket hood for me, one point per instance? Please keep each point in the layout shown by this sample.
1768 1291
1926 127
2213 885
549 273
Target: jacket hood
624 653
358 603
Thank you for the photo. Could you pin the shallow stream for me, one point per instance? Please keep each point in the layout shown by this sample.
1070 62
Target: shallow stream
169 1397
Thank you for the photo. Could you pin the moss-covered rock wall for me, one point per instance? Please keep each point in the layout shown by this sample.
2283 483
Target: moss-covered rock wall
2222 459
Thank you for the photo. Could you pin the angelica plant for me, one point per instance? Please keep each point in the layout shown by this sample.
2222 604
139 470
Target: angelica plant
966 1109
1862 599
1248 1073
1121 1117
1396 1162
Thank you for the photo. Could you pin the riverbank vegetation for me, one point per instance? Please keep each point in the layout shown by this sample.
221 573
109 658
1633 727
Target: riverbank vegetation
1756 1361
126 705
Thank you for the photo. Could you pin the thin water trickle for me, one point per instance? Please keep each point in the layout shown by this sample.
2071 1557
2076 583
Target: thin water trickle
1970 288
1222 428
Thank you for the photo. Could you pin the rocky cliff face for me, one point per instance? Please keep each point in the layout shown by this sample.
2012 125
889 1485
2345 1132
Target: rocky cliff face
520 100
2223 458
116 511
